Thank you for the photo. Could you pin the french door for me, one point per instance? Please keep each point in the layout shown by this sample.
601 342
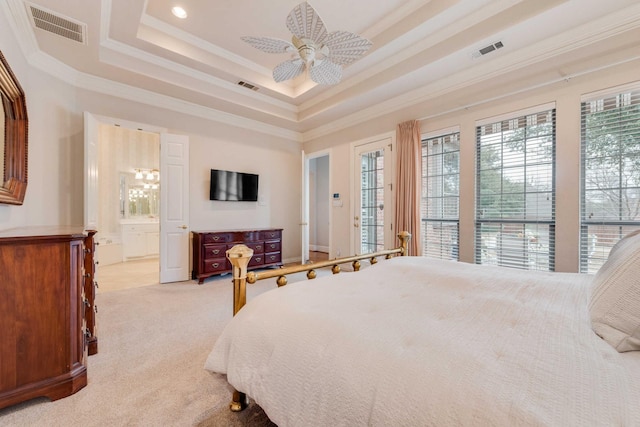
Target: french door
373 214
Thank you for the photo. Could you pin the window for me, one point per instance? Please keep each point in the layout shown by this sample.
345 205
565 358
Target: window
515 192
440 196
372 201
610 175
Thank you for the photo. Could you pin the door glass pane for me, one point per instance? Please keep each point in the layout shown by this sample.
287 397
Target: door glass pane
372 201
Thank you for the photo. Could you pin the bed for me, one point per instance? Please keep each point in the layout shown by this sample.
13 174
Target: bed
412 341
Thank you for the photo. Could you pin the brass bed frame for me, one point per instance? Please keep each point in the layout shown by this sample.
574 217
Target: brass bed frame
240 255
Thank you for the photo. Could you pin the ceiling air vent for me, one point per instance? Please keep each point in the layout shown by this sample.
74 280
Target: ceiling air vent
57 24
487 49
248 85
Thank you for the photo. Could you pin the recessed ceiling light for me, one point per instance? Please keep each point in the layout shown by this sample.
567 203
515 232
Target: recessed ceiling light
179 12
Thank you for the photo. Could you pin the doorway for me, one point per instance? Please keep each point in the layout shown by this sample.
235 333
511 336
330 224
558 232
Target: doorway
373 201
316 211
173 210
128 207
319 208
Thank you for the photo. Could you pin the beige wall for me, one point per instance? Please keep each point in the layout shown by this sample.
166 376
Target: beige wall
56 154
566 95
55 146
217 146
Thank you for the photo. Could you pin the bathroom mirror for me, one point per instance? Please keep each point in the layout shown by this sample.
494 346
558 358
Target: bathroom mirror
14 128
139 198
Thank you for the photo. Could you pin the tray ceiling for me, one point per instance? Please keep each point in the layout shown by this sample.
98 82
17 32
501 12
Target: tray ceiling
423 50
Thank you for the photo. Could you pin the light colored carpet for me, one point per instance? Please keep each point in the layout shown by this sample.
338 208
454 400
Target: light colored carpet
153 342
130 274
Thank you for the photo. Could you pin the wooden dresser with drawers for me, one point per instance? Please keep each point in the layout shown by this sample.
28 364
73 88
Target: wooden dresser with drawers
47 317
210 247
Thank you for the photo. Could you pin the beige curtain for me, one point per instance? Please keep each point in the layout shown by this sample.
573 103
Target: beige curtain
408 169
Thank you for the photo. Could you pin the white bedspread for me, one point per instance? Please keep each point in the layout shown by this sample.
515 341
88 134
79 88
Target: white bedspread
417 342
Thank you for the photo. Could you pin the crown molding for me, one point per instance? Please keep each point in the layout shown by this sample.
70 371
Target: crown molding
582 36
607 26
21 27
188 78
124 91
16 13
104 86
108 43
201 44
92 83
419 39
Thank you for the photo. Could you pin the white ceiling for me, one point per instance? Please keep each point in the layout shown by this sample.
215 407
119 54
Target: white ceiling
423 50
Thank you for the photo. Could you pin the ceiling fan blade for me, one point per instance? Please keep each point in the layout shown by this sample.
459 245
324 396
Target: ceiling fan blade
270 45
305 23
326 72
288 70
345 47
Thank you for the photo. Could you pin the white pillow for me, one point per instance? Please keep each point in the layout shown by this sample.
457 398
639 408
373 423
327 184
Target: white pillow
615 300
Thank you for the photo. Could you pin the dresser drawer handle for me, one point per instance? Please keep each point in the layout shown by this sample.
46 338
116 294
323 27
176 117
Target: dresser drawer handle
215 265
272 246
272 257
216 251
272 234
216 237
258 259
258 248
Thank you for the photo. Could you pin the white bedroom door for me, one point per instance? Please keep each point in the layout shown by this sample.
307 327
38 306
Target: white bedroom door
373 207
174 216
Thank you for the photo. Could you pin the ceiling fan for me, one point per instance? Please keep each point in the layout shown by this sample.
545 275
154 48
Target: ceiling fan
321 53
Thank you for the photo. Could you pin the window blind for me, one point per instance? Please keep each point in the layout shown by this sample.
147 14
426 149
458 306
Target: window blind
440 198
610 190
372 201
515 192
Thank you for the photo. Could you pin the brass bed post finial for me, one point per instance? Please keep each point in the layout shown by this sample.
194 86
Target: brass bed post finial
239 257
404 237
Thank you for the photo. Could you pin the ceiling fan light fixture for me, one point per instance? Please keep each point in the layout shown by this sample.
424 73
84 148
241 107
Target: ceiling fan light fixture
321 53
306 49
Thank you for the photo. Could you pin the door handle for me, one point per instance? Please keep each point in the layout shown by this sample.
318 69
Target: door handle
184 227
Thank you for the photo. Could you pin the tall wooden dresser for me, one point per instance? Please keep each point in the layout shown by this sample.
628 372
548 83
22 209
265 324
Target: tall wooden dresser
43 312
210 247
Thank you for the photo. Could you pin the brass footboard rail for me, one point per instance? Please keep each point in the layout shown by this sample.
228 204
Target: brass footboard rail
240 255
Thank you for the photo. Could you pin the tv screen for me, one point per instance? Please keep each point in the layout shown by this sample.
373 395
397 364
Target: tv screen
233 186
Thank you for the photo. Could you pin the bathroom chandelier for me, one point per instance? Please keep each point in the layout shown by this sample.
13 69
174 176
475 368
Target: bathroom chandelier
148 174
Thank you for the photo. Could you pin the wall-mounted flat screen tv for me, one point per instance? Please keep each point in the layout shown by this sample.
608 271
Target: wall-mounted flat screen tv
233 186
